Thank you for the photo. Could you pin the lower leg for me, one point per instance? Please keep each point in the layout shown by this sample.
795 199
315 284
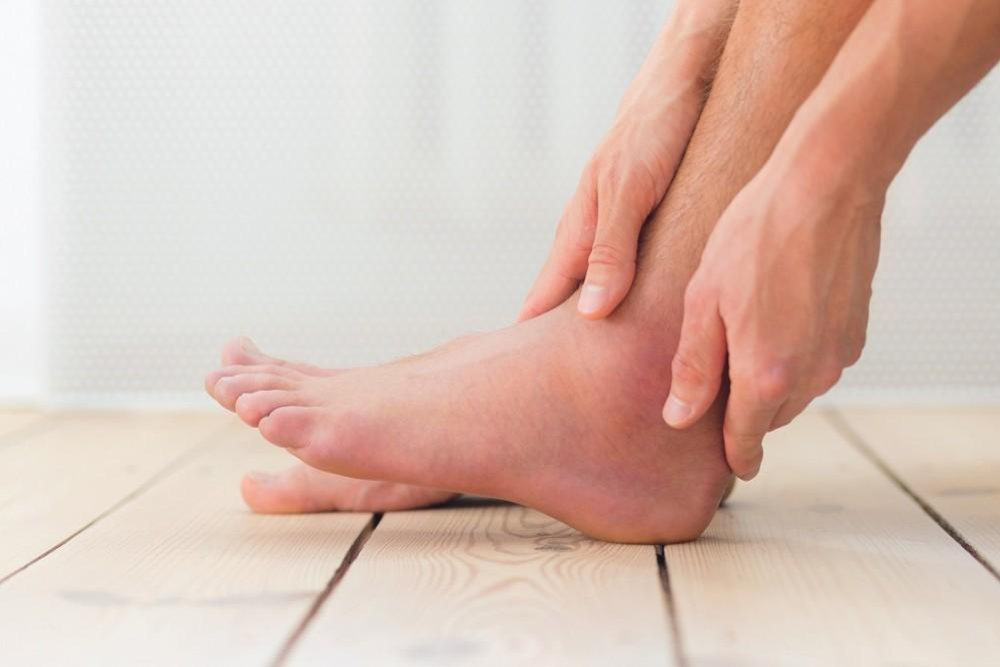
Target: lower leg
776 54
561 413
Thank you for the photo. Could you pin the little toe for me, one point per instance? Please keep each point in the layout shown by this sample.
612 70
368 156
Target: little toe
252 408
228 389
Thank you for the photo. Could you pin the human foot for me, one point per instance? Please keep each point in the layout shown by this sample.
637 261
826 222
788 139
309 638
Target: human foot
305 489
556 413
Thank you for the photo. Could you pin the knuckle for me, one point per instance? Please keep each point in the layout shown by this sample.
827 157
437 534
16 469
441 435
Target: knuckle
828 378
606 254
611 175
587 226
695 295
853 351
688 369
774 382
742 441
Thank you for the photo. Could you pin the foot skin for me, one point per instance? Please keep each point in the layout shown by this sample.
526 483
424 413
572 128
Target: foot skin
556 413
302 488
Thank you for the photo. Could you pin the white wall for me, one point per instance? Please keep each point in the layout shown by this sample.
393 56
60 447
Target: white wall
352 181
21 372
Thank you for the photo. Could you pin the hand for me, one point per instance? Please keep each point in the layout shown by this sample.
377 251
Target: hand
784 286
598 234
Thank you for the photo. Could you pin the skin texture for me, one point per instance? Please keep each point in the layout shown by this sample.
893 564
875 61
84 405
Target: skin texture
631 170
558 412
783 290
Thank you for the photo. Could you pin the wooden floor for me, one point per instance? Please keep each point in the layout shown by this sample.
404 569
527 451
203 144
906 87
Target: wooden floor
871 537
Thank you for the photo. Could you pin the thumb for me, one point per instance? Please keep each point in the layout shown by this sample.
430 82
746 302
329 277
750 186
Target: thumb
698 365
611 264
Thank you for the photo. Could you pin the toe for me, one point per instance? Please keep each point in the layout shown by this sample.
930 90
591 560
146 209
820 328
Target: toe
213 378
293 491
305 489
229 389
292 427
252 408
241 351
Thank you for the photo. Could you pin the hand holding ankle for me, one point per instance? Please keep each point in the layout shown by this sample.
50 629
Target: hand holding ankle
630 171
783 290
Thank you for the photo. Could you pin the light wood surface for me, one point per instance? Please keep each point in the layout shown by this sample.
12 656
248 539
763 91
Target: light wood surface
491 585
124 541
14 421
950 459
54 481
182 574
825 561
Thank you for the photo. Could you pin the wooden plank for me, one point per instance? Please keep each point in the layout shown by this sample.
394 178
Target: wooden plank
55 481
825 561
182 574
950 459
491 584
13 421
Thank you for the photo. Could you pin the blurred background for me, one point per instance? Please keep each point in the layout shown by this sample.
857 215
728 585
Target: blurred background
348 181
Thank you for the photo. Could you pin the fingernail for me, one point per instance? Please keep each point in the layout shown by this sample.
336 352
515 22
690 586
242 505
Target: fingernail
675 411
248 345
592 299
261 477
750 475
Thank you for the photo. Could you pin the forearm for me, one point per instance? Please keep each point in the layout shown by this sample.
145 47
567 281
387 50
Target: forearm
682 62
903 67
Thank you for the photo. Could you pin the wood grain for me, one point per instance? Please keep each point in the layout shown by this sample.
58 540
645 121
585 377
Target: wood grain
55 481
950 459
491 585
182 574
823 560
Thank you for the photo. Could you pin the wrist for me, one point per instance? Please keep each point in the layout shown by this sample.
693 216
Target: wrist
823 154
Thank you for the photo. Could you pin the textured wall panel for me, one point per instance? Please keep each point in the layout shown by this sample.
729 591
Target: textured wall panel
348 182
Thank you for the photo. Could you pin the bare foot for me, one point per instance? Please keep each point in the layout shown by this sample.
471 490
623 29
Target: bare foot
556 413
306 489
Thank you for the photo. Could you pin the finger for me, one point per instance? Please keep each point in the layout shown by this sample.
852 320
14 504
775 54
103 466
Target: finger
566 265
791 409
749 414
611 263
698 365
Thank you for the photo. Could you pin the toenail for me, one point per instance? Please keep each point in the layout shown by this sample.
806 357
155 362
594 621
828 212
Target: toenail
261 477
675 411
592 299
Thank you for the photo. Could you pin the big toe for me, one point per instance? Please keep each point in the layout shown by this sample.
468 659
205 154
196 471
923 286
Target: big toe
302 489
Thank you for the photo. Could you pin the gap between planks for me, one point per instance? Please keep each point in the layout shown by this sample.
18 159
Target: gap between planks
840 424
197 449
675 628
338 575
